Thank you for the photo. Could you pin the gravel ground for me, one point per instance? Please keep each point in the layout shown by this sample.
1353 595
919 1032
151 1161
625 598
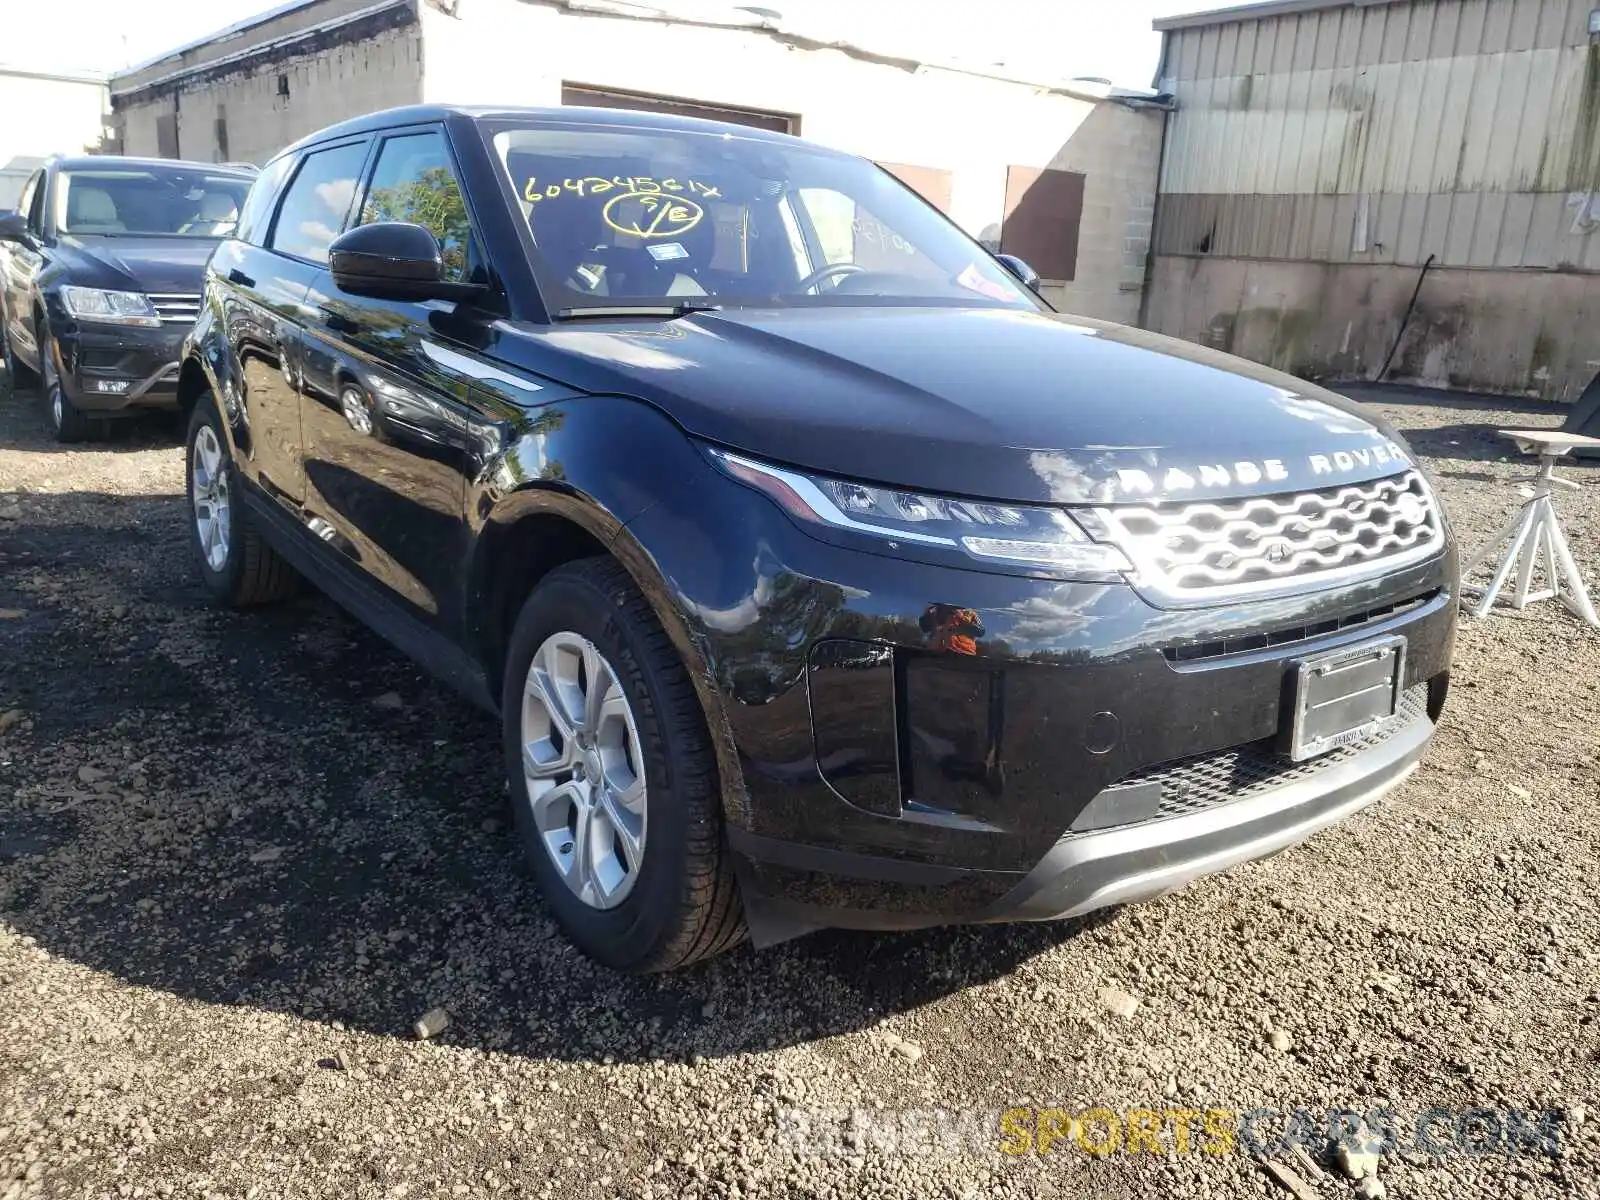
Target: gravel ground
241 854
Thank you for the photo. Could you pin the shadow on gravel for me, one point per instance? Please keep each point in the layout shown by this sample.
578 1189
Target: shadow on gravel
1399 393
23 427
1469 440
1479 443
274 809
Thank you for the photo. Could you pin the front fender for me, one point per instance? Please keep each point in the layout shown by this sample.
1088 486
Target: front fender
209 365
597 463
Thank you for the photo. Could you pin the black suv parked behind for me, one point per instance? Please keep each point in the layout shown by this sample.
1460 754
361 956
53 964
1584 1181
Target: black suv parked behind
100 270
819 574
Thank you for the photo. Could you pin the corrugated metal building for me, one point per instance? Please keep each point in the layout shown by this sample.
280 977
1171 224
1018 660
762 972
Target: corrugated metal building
1062 174
1326 155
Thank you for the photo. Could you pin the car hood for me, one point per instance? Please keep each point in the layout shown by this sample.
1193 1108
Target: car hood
136 264
986 403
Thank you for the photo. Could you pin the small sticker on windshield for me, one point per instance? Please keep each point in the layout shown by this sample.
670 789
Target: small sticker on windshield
667 251
973 278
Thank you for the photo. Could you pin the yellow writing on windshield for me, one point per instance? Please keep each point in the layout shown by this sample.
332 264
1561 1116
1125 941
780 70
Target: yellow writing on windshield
598 185
651 214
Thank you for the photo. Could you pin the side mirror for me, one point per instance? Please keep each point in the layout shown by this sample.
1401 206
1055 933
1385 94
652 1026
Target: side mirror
13 227
393 260
1025 273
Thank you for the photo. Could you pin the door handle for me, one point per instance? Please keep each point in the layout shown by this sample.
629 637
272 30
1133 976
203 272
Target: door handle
237 276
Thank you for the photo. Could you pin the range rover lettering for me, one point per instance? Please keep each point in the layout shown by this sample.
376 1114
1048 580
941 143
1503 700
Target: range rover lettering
818 572
100 270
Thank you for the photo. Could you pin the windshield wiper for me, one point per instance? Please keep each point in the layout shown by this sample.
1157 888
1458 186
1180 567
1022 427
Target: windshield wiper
681 309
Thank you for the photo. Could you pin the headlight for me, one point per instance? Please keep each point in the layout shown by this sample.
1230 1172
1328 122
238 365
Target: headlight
989 532
112 308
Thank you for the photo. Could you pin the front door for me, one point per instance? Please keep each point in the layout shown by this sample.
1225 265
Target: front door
20 263
262 309
392 431
267 311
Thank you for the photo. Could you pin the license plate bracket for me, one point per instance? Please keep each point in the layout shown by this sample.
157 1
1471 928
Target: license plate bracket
1342 697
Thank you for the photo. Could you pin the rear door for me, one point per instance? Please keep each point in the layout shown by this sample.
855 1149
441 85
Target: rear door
268 281
391 427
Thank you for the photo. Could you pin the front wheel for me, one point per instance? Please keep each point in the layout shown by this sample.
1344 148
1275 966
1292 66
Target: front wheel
67 423
612 777
236 563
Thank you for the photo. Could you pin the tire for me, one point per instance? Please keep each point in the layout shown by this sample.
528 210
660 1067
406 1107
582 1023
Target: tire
678 903
238 566
67 424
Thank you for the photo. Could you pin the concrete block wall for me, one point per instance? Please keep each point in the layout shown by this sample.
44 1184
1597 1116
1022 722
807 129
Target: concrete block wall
1118 150
1527 333
326 86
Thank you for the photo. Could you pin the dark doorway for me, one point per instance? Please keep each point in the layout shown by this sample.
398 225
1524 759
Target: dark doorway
602 97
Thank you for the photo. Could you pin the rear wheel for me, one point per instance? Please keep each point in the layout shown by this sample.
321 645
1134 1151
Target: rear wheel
237 564
612 777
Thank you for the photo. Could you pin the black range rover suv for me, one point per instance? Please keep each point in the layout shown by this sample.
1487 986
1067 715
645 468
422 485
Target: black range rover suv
818 572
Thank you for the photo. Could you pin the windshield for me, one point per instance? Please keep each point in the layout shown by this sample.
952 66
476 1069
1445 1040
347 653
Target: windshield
638 215
148 200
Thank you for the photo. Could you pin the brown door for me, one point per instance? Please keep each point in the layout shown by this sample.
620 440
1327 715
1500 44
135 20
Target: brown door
932 184
1043 212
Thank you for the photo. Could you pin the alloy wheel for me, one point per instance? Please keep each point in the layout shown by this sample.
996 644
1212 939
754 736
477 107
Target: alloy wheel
354 406
209 479
584 769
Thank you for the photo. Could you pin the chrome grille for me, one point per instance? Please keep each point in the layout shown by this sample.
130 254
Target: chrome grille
1203 781
1208 550
174 308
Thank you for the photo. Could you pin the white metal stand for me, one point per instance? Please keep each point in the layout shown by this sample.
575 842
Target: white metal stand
1535 534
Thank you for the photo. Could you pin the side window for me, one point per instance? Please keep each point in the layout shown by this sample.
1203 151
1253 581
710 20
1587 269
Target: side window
25 201
414 182
32 202
317 202
255 216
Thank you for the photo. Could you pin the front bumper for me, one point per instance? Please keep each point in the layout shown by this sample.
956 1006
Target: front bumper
107 368
1086 871
914 744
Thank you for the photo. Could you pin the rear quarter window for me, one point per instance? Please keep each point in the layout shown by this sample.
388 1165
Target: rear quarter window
256 214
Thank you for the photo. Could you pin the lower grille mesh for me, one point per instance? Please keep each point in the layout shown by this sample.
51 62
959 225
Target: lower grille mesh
1202 781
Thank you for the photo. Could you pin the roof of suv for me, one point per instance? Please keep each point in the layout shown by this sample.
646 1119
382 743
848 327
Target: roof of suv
574 115
88 162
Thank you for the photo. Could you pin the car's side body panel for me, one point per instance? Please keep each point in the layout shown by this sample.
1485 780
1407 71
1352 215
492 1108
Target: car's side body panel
21 263
258 315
